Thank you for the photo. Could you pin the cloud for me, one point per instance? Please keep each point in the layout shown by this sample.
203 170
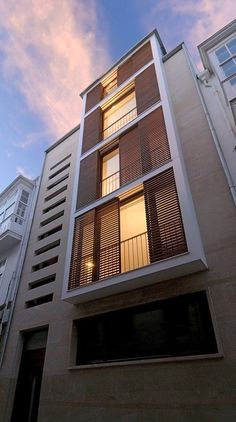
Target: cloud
21 171
32 139
51 51
191 21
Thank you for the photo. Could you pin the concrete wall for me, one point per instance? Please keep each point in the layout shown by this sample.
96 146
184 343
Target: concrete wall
187 390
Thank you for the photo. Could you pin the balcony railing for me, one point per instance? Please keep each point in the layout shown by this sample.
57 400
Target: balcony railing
134 252
110 183
118 124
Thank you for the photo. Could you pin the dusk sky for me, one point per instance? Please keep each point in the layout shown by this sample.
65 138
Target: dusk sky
50 50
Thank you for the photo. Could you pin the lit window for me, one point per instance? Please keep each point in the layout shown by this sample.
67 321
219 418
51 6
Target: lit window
110 172
110 84
119 114
133 235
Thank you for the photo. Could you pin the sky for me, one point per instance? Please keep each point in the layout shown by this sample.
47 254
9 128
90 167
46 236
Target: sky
50 50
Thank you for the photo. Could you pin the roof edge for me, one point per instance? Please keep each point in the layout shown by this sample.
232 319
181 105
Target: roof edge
55 144
132 49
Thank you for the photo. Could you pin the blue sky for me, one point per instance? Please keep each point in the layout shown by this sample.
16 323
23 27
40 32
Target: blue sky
49 54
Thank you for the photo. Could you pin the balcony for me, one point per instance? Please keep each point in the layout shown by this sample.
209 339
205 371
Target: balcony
119 123
11 231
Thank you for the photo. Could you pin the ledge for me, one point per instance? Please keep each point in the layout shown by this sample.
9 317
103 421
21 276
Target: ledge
147 361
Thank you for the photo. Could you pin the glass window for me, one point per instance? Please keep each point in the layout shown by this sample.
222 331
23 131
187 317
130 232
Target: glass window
174 327
24 196
229 68
9 210
110 84
119 114
232 46
133 235
222 54
110 172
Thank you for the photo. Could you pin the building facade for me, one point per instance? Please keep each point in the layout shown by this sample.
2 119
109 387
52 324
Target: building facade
126 307
16 211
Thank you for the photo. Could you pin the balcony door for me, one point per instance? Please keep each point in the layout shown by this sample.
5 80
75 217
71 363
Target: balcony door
133 235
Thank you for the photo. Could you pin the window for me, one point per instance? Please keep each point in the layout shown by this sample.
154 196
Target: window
139 228
119 113
110 84
9 210
133 235
110 172
24 196
179 326
226 56
233 108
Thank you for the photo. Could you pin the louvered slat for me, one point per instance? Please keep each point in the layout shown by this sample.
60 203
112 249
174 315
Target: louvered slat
107 246
82 259
92 130
134 63
146 88
165 227
153 140
93 97
88 180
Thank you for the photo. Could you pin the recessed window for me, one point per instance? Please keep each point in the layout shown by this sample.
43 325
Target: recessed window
110 172
119 113
109 84
168 328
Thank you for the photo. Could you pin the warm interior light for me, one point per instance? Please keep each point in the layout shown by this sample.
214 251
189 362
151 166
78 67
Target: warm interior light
90 264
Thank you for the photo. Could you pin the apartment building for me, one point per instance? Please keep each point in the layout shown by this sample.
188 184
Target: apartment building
126 307
16 210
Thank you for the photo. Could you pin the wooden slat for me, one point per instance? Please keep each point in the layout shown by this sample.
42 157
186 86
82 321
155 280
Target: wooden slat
82 259
88 180
93 97
165 227
134 63
92 130
153 140
130 156
146 88
107 246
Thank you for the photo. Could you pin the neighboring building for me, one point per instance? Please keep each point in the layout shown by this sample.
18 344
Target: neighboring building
16 210
126 307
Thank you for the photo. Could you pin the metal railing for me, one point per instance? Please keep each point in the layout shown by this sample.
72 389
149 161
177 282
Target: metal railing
134 252
110 183
118 124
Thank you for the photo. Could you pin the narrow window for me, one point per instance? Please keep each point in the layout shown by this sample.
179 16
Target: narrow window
110 172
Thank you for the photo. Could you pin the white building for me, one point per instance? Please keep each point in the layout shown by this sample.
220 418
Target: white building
16 210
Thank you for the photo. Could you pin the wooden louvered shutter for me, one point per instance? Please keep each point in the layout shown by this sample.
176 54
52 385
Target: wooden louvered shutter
154 142
82 259
130 156
165 227
92 130
134 63
88 180
93 97
146 88
107 244
142 57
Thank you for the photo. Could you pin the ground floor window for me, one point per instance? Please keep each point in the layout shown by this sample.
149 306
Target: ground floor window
180 326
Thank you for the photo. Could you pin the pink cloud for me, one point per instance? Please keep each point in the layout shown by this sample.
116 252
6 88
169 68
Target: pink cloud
206 17
53 50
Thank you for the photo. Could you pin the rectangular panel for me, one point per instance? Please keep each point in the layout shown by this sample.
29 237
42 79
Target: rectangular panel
94 97
130 156
153 140
88 180
107 238
134 63
146 88
82 258
165 227
92 130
